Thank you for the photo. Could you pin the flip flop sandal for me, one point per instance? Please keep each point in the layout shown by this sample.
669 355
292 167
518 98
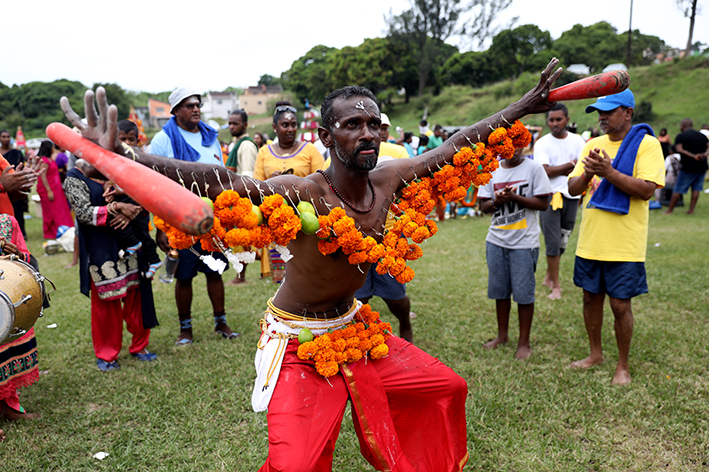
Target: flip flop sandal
147 357
105 366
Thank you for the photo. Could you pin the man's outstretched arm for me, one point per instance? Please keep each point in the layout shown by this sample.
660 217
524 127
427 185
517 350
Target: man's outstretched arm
534 101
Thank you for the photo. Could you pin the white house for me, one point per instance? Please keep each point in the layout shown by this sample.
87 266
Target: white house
219 105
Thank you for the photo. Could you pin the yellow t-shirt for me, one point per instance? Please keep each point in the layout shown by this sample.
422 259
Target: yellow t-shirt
608 236
306 160
393 150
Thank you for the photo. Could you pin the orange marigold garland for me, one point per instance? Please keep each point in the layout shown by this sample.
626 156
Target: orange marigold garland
177 238
364 338
236 224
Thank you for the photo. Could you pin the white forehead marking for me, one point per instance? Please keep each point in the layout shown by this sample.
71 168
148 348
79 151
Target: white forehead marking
360 105
337 124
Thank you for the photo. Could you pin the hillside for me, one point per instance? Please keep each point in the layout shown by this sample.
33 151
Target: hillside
676 90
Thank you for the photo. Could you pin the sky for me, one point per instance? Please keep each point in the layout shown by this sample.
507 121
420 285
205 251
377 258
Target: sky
150 46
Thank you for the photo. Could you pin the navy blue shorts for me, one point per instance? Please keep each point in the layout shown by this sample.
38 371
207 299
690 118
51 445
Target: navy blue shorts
383 286
687 180
190 264
511 272
618 279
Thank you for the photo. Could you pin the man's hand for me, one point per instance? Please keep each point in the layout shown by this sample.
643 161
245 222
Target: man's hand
535 101
6 247
162 242
101 126
598 164
22 179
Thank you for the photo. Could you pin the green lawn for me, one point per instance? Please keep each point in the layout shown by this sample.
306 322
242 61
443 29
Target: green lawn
191 409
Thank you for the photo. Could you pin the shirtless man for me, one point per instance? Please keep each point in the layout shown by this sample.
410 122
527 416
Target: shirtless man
409 393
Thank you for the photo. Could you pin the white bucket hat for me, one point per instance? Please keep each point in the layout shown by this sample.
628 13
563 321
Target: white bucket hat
180 94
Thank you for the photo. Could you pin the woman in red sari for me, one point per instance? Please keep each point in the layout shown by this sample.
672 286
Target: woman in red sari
55 209
18 359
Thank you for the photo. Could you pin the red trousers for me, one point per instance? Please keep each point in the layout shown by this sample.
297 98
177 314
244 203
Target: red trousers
408 410
107 318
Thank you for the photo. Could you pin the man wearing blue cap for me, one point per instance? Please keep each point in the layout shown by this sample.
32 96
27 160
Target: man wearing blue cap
619 172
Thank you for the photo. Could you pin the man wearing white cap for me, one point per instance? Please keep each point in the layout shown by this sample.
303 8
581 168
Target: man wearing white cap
389 150
187 138
619 173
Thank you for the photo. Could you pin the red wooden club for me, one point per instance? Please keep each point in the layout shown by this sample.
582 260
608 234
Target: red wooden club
607 83
156 193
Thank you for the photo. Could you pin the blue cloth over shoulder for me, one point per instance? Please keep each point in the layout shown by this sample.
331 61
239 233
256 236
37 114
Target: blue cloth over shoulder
182 150
607 196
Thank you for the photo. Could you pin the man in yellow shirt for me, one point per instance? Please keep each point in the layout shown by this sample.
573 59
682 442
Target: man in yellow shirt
619 173
390 149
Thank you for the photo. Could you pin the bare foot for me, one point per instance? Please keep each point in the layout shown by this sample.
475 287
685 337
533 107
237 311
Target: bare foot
555 293
412 315
547 282
523 352
690 212
236 281
621 377
2 435
495 342
587 363
667 212
407 335
14 415
70 265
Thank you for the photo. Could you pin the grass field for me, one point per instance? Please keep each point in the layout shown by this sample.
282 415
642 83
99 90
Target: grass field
191 410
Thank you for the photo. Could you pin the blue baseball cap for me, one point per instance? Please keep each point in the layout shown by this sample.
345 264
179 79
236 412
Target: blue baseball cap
611 102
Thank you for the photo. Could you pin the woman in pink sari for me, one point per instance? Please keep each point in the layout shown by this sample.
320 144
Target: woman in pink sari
55 209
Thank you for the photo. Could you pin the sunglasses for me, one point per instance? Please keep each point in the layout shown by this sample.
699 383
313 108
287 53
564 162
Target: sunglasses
285 108
191 106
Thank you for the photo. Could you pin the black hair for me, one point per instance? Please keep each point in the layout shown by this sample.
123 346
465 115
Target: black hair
5 131
408 135
557 107
437 128
423 140
423 123
277 114
343 93
45 149
244 116
127 126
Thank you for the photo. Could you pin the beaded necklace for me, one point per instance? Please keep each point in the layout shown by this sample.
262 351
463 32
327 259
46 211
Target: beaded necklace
339 195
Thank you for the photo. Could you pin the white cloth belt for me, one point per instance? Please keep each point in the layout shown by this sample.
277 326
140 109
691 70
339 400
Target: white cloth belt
272 348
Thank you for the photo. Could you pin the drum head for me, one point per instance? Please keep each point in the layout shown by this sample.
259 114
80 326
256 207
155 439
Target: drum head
7 317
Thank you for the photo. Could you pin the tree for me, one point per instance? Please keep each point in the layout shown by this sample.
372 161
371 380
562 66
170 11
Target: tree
307 76
644 48
36 104
689 9
515 51
429 23
596 46
268 79
469 68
